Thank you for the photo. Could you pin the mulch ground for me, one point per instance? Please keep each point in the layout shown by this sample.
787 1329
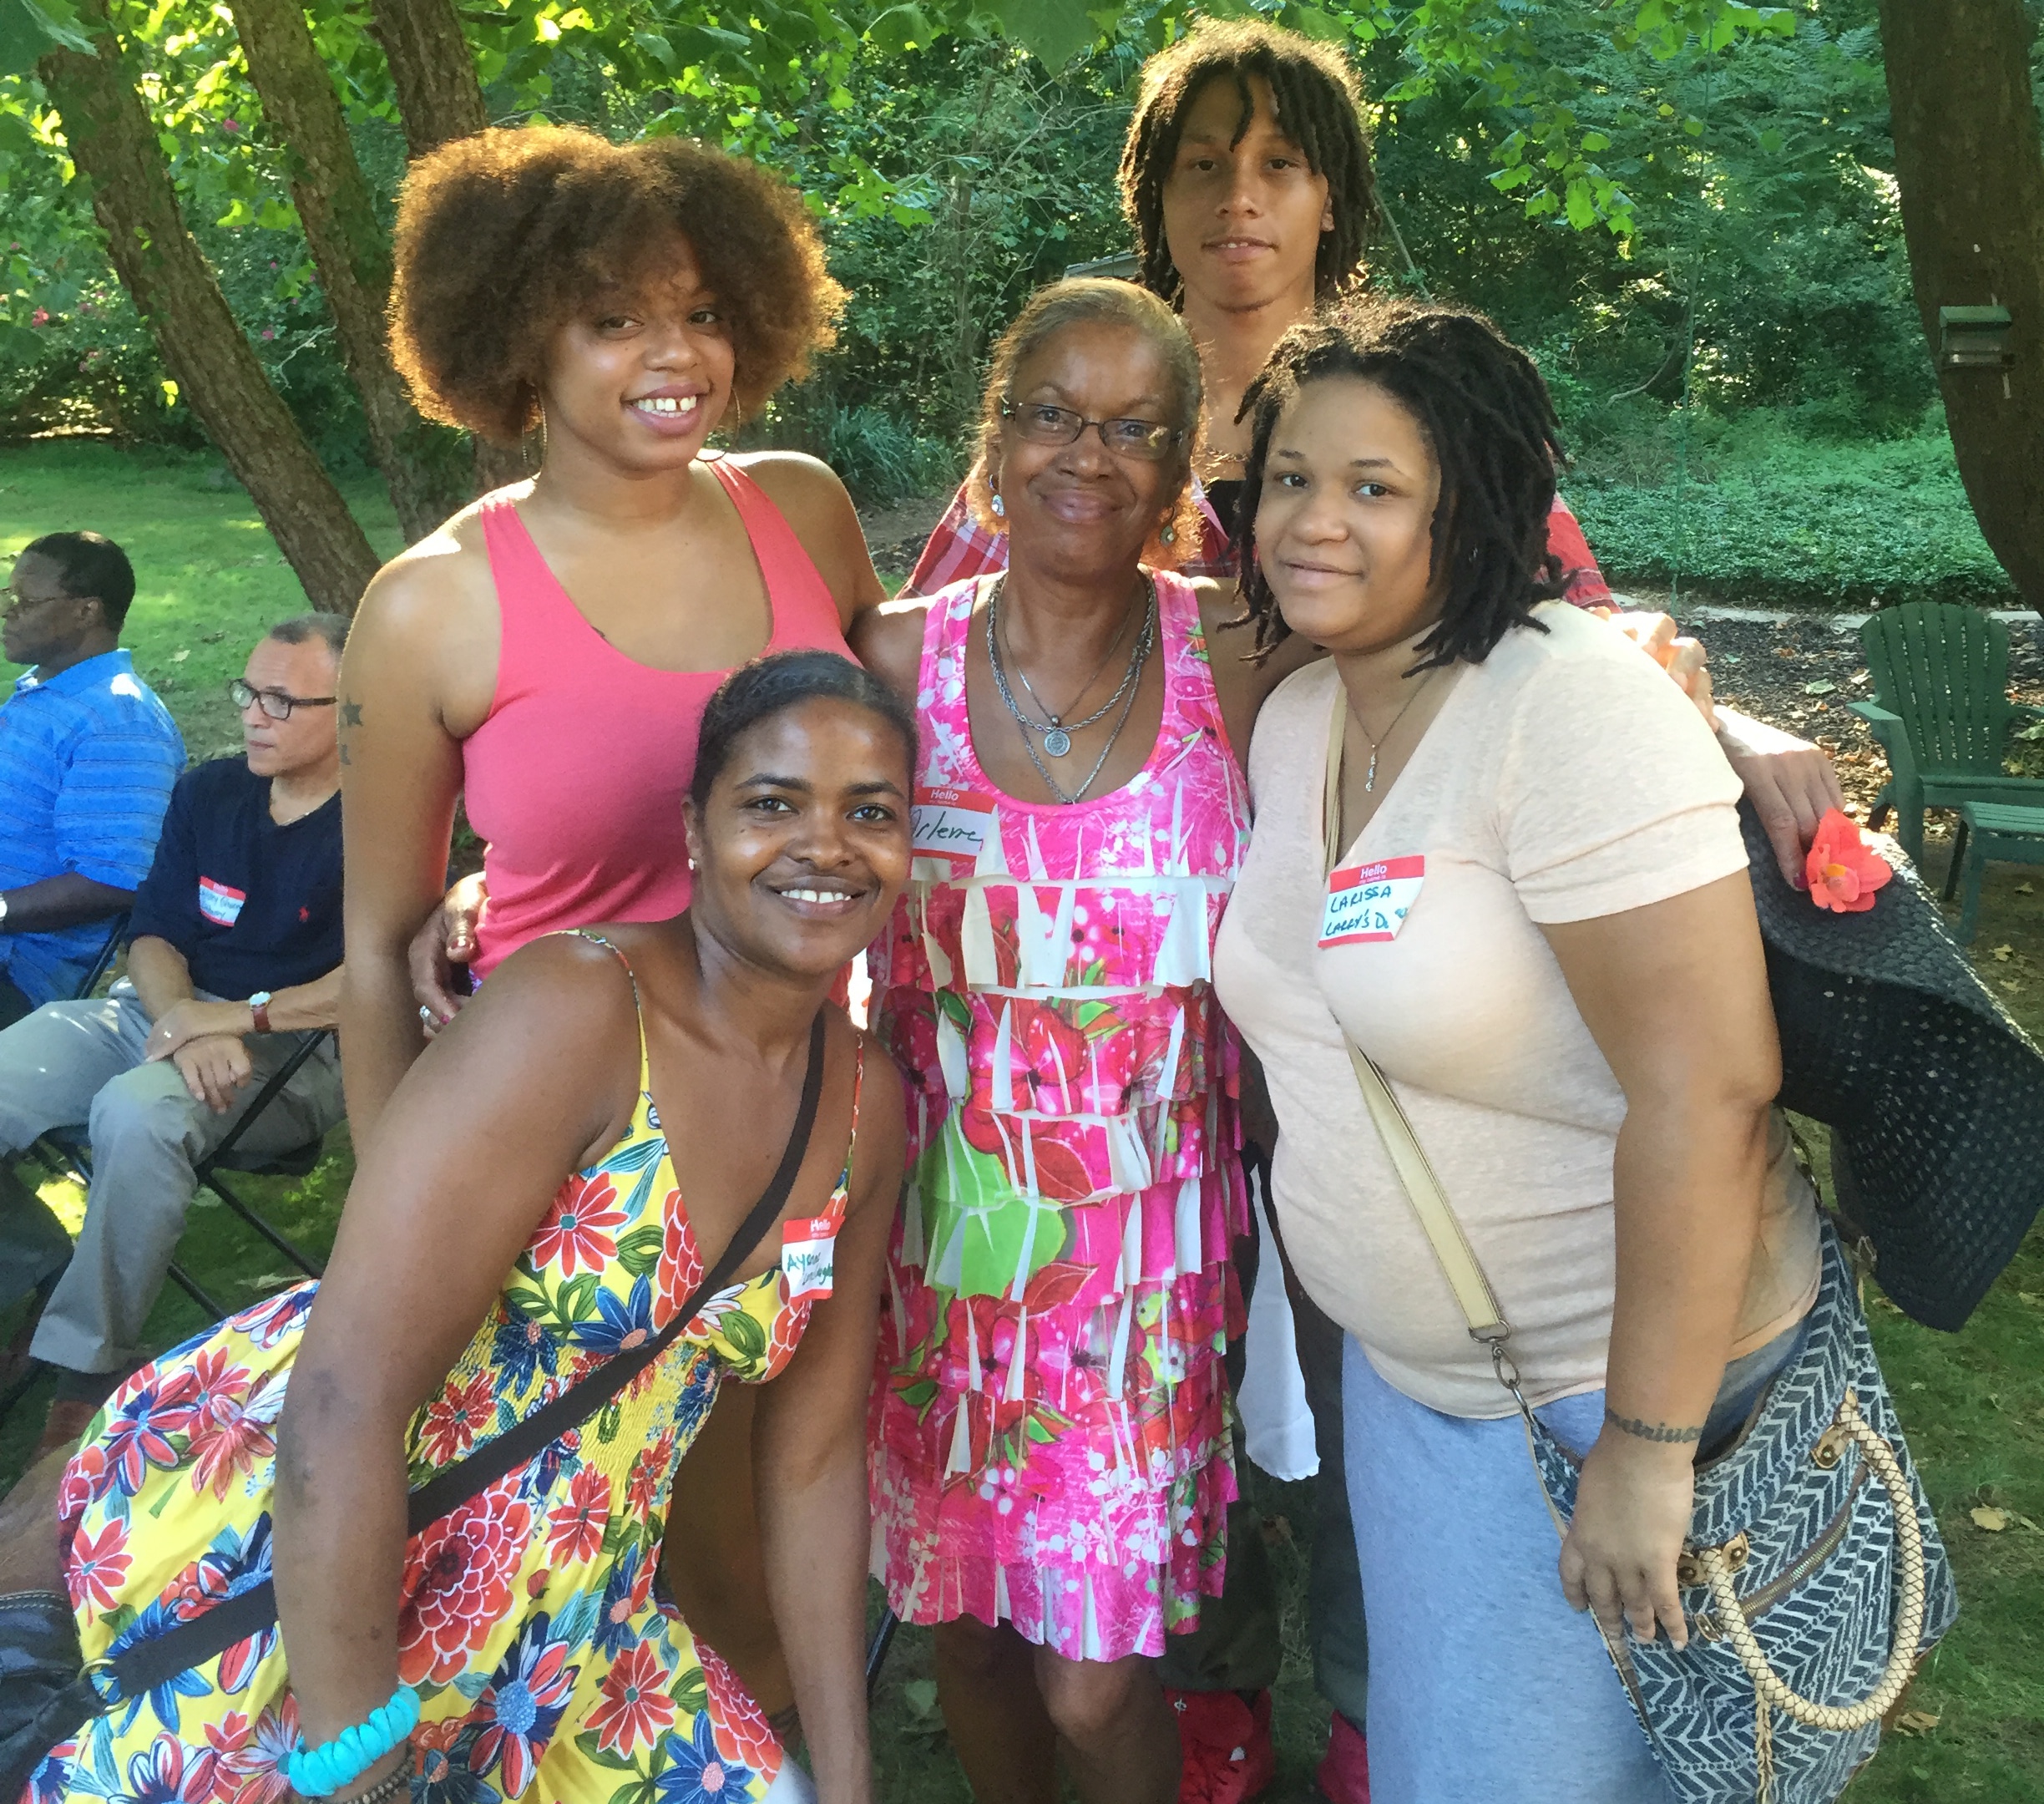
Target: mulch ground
1802 675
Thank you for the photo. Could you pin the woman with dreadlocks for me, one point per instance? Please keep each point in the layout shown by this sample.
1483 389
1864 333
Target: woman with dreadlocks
1247 180
1495 851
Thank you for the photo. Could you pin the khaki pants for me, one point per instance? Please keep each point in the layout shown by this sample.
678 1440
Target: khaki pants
80 1064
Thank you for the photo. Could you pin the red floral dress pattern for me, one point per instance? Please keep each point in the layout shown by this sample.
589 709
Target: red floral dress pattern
548 1665
1052 1427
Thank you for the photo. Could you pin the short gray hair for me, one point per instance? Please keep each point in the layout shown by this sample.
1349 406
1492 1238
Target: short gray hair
333 628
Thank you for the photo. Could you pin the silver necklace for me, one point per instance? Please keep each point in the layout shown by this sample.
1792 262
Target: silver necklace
1369 777
1126 693
1057 734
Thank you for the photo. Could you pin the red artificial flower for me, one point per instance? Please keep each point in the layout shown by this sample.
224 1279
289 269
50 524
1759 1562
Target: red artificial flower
575 1528
1842 868
636 1707
459 1576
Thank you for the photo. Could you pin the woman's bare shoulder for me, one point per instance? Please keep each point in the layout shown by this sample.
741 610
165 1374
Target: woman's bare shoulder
887 639
432 586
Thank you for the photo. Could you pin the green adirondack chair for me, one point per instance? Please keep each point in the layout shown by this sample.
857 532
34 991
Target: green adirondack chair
1941 713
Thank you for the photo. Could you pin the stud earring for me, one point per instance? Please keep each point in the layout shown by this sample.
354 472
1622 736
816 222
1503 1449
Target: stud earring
1169 536
1000 509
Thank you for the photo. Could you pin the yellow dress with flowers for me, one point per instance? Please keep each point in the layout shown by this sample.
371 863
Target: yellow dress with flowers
548 1665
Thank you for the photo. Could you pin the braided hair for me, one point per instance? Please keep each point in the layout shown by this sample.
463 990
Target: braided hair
1317 97
1487 418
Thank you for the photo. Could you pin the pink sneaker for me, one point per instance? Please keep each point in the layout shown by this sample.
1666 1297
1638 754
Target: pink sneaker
1228 1755
1344 1778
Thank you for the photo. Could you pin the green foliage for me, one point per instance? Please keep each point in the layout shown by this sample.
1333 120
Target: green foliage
1757 510
32 29
957 159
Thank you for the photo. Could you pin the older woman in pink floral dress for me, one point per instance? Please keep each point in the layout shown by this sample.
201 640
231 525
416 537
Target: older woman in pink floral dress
1053 1453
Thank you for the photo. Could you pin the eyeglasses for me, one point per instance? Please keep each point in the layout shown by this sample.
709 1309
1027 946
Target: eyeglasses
276 703
13 602
1149 440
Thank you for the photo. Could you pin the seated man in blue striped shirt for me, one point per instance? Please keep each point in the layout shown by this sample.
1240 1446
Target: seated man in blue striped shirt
88 758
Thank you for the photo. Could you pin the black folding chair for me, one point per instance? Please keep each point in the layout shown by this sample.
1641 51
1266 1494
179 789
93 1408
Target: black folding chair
297 1163
116 937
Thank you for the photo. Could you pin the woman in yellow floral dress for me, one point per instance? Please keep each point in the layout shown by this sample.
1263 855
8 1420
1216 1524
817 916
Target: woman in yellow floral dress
552 1134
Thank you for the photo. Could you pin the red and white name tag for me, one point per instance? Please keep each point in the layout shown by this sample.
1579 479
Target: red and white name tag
947 823
808 1249
218 903
1367 902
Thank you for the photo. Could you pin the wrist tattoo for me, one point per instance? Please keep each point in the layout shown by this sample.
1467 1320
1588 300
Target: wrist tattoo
1646 1431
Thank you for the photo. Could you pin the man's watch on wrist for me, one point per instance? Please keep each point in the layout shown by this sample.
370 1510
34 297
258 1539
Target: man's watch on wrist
258 1011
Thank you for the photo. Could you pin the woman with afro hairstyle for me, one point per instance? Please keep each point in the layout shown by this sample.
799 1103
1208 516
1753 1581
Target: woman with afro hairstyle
547 653
1495 850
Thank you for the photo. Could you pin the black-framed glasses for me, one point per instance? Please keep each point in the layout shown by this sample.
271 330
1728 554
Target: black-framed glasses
274 702
1038 421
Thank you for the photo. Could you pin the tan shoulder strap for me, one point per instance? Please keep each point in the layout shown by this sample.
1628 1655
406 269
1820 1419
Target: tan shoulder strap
1423 1190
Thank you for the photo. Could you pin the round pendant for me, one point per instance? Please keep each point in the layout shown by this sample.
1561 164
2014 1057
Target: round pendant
1057 742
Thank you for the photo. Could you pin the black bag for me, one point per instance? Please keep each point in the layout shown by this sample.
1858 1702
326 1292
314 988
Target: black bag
1934 1095
47 1695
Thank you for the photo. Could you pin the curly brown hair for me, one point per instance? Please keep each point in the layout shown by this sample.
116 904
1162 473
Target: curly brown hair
1084 300
1318 102
502 236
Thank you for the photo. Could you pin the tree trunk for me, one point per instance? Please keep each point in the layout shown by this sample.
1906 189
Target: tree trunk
1971 172
438 93
440 98
350 248
114 146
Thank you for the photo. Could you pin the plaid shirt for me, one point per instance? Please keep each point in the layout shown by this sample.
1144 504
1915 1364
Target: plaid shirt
960 547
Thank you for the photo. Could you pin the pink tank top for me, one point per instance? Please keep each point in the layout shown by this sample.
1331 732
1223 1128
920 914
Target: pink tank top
575 780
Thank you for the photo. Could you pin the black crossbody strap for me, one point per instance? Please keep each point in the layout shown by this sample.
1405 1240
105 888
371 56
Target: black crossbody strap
149 1663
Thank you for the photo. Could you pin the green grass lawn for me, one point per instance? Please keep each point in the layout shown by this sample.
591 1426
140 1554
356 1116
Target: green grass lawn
209 579
1973 1403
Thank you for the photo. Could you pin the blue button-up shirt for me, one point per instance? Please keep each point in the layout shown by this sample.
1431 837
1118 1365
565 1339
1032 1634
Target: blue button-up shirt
87 759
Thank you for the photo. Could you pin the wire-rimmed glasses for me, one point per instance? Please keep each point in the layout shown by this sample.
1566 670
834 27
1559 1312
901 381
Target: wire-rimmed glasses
1150 441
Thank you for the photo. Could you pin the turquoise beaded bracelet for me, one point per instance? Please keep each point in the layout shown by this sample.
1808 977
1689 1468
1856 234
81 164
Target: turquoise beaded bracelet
318 1772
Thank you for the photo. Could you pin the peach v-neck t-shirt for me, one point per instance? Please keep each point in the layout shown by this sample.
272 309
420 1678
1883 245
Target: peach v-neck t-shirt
1564 778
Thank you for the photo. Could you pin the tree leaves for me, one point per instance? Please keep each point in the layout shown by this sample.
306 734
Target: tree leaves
1052 31
30 29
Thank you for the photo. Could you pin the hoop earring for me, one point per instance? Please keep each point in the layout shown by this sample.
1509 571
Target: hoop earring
1000 507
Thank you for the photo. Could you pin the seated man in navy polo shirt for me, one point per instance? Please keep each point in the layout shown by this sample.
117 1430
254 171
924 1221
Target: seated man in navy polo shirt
236 948
88 755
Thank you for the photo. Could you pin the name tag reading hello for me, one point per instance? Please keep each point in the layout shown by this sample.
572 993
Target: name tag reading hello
952 823
807 1252
221 903
1370 902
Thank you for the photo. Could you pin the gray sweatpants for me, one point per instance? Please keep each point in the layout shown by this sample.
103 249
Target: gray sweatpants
79 1064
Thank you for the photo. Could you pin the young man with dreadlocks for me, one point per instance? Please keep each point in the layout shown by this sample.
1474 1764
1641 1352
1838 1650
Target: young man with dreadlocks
1246 176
